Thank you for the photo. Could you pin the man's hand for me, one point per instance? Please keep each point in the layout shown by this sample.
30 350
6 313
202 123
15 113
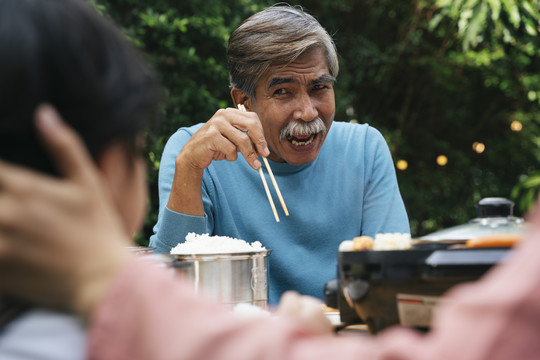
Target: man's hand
228 132
61 239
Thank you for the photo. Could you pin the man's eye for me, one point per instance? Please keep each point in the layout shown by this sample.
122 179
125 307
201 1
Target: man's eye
280 92
319 87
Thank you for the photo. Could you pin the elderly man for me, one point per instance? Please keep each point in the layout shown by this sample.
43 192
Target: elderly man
337 179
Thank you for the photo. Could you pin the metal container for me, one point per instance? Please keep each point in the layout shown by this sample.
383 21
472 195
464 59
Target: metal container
140 250
232 278
494 216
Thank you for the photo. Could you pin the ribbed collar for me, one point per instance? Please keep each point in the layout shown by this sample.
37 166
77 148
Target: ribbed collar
282 168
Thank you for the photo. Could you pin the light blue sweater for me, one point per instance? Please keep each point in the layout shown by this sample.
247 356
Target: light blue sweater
349 190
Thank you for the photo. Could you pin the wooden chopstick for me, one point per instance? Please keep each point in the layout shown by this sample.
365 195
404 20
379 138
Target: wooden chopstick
276 187
268 194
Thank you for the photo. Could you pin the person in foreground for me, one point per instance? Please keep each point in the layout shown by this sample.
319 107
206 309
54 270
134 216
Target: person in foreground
497 317
63 53
337 179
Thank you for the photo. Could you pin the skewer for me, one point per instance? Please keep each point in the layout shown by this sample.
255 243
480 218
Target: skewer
276 187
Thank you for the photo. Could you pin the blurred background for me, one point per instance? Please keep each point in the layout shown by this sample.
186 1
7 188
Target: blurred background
453 85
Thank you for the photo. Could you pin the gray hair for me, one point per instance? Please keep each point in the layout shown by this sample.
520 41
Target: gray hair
276 35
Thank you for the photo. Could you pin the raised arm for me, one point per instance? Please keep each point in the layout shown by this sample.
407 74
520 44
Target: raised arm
228 132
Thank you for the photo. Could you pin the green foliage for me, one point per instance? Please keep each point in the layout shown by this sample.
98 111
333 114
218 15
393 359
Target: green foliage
529 190
502 35
434 76
482 22
185 41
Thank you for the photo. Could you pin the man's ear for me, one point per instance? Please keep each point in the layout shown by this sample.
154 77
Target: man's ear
240 97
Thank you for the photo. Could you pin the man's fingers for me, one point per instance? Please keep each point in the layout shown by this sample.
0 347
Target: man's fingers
245 131
228 132
63 143
244 145
250 123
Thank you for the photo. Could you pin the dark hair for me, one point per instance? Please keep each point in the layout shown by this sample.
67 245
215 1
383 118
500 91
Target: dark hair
62 52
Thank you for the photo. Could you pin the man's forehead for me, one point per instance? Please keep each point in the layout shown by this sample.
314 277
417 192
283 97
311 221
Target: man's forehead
279 80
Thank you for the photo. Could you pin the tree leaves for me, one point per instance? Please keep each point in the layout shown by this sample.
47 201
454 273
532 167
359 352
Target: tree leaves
434 76
492 20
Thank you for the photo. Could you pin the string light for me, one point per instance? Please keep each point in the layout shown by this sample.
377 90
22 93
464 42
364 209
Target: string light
442 160
402 164
516 126
478 147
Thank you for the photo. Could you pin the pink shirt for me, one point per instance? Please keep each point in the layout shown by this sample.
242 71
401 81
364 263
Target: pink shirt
149 314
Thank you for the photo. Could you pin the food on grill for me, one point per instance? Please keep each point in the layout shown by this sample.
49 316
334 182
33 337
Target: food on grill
346 245
362 243
497 240
392 241
382 241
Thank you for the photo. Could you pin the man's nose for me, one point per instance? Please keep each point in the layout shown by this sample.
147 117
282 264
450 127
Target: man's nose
305 108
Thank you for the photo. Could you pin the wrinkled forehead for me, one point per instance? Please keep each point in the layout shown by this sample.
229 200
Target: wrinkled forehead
274 81
308 69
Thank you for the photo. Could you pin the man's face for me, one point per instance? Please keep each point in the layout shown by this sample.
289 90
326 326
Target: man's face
300 93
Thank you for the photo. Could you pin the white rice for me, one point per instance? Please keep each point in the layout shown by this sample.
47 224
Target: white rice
346 245
392 241
249 311
206 244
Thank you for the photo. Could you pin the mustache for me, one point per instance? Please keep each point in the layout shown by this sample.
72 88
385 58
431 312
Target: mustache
303 128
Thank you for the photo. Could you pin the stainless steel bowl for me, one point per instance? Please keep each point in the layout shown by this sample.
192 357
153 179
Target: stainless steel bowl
232 278
140 250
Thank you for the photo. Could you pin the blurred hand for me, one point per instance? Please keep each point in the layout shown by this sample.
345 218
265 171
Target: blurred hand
61 239
304 308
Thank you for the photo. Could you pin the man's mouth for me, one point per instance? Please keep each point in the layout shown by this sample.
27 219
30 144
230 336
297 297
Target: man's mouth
301 140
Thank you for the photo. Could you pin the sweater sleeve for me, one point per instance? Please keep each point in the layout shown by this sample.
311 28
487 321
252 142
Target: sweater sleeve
496 318
172 227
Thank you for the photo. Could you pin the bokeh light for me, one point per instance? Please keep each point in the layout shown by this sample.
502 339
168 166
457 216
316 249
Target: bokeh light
478 147
516 126
402 164
442 160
